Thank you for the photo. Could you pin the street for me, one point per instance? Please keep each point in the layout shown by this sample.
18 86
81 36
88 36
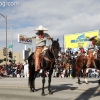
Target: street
63 89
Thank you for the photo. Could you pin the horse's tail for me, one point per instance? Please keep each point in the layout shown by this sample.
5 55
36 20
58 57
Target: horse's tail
31 69
74 69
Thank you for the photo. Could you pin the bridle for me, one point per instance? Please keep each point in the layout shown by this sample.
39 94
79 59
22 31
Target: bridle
53 52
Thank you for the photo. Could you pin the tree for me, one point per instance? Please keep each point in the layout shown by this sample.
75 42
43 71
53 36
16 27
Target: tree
97 42
29 49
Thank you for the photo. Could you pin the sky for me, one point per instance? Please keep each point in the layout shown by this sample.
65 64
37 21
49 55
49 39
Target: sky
60 17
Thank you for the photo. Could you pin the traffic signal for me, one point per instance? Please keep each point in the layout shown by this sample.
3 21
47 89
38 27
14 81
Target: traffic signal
10 61
5 59
10 54
4 51
1 60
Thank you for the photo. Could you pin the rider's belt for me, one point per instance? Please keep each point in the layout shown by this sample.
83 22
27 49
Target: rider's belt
90 48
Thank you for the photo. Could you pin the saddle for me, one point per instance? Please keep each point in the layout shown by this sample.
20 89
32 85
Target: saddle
41 56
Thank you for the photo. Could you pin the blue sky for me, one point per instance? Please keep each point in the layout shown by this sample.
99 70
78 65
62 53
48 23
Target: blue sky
60 17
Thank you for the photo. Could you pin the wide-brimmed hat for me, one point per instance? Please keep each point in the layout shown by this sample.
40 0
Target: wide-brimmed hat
91 37
41 28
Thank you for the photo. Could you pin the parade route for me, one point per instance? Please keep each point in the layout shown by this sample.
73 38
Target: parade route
63 89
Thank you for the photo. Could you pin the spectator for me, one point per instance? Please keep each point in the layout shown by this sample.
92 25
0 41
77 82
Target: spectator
26 71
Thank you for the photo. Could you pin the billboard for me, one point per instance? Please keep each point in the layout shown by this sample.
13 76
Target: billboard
24 39
78 39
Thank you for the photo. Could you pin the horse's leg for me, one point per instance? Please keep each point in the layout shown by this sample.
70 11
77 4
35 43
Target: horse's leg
35 74
78 75
97 62
31 74
43 82
84 75
49 82
32 83
99 82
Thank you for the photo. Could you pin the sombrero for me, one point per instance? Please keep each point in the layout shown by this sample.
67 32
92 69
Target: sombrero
41 28
91 37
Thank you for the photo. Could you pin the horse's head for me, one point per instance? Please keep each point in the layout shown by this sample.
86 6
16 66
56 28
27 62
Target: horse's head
55 47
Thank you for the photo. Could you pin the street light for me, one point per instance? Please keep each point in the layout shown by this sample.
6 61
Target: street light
5 17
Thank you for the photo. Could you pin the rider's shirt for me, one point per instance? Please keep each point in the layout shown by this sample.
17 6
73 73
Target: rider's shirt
41 40
90 45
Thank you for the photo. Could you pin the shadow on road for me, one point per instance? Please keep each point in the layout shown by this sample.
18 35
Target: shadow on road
89 93
60 87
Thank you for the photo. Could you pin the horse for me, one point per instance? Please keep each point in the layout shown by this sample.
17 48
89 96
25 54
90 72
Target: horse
47 64
80 64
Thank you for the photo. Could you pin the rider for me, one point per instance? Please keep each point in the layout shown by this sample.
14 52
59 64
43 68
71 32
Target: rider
41 38
91 49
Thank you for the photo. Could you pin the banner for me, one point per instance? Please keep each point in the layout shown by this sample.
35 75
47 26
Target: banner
24 39
78 39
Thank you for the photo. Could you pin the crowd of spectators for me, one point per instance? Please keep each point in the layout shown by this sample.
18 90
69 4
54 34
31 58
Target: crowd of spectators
12 70
66 60
62 68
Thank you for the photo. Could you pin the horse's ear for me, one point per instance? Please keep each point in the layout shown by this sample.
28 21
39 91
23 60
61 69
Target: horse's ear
57 39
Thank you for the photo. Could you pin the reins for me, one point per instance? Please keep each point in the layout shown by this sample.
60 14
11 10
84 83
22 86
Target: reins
49 58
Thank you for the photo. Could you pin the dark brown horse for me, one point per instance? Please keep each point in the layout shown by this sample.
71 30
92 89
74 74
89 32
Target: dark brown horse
47 64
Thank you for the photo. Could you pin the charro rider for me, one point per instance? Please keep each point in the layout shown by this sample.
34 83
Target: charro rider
41 38
91 49
81 52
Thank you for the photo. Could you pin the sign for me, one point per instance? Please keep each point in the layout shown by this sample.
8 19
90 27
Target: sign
79 39
10 46
24 39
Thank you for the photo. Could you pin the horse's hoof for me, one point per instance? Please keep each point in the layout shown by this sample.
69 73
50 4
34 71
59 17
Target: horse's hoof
31 90
50 93
35 90
79 82
42 94
87 83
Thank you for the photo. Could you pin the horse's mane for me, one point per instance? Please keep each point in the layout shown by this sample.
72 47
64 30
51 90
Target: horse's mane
30 57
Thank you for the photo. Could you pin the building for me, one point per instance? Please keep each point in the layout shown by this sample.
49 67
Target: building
17 56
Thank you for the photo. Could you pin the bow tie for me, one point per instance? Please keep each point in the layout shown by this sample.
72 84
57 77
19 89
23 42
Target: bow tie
41 36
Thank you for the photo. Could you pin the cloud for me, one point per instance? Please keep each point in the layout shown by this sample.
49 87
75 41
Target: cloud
59 16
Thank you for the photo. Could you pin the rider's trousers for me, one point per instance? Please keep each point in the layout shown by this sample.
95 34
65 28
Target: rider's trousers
37 58
90 58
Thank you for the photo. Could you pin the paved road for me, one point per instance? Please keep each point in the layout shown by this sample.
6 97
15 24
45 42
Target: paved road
63 89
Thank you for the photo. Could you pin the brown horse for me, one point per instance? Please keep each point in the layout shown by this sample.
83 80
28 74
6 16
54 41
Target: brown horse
80 64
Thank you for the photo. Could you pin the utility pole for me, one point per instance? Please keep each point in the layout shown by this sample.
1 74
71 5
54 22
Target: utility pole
5 17
12 41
